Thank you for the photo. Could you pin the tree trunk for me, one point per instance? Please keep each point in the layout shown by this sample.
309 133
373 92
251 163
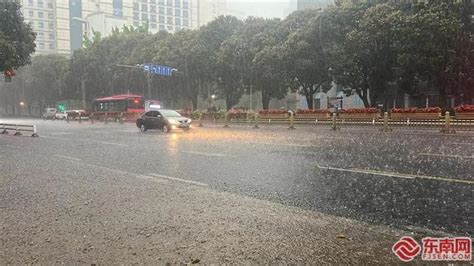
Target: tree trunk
373 98
194 100
228 102
308 93
309 101
265 100
362 93
442 97
83 89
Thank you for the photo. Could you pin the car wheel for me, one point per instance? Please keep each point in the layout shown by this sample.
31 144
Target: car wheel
166 129
143 128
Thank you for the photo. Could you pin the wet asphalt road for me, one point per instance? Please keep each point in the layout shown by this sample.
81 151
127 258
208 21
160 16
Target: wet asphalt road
403 179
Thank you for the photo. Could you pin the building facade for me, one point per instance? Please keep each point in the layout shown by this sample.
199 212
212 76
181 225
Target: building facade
205 11
61 24
41 14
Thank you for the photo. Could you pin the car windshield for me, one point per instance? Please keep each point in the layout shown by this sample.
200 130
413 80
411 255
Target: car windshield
169 113
253 132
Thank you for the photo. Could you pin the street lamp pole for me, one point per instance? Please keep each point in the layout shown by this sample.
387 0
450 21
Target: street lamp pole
149 84
250 98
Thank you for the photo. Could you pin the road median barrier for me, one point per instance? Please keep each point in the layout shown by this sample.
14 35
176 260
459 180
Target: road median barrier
18 128
383 122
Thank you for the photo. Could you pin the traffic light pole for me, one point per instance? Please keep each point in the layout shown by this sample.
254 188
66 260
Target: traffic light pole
148 77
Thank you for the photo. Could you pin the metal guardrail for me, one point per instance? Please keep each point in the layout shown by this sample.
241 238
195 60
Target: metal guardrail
18 128
105 117
445 124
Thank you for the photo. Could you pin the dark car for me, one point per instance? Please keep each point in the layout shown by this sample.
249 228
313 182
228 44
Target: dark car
165 120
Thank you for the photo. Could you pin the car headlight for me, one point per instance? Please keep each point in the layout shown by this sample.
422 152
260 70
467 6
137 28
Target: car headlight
173 122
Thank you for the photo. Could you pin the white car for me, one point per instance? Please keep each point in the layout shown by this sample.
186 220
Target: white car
61 115
50 113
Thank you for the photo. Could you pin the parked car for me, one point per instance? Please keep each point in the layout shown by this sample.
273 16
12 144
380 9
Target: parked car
50 113
76 114
165 120
61 115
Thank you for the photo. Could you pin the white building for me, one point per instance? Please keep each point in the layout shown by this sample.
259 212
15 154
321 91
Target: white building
61 24
206 11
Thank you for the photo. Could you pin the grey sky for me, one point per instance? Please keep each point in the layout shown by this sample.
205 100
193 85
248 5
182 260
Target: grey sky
261 8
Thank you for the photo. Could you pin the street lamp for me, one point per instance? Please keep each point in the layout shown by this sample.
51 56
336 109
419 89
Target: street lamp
213 97
21 107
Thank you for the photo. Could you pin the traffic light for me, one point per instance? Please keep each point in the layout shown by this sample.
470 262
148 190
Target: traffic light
8 74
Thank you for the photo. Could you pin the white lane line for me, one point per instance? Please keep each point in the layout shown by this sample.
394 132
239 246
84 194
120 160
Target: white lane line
60 133
49 137
204 153
67 158
199 153
152 177
79 161
446 155
85 140
398 175
462 143
296 145
282 144
179 180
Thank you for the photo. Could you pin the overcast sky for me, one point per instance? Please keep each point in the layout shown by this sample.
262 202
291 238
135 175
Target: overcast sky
261 8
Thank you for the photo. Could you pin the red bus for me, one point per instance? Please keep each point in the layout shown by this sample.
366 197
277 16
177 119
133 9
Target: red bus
127 105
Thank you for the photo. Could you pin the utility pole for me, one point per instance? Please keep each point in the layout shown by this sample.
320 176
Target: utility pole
148 77
83 89
251 92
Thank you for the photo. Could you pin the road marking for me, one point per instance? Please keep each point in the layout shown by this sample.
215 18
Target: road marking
68 158
446 155
462 143
152 177
180 180
282 144
79 161
60 133
86 140
199 153
399 175
204 153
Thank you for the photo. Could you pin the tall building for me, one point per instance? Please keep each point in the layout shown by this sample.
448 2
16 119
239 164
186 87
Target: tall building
206 11
61 24
41 14
162 15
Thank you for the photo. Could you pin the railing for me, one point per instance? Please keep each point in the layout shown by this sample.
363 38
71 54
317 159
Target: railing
18 128
446 124
105 117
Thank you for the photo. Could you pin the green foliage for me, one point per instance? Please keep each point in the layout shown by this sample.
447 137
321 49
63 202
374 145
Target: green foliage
375 50
388 49
307 52
16 37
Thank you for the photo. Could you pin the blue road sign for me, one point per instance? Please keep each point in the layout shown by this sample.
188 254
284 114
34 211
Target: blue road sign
158 69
